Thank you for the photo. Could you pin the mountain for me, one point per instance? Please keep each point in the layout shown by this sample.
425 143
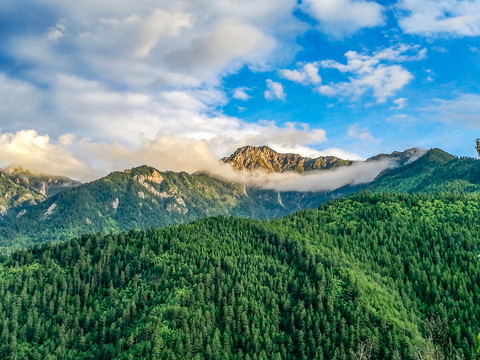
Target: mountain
367 277
263 158
433 172
15 194
142 197
46 185
20 188
436 171
400 157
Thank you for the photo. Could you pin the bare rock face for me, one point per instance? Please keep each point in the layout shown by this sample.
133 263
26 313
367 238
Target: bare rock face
263 158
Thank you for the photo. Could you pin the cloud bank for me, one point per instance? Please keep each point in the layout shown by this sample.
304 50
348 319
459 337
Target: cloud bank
86 160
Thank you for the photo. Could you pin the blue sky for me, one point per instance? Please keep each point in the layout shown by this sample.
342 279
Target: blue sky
92 86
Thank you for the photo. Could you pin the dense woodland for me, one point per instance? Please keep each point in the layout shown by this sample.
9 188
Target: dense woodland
367 277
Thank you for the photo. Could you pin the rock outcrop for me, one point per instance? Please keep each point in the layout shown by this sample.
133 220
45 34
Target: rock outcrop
264 158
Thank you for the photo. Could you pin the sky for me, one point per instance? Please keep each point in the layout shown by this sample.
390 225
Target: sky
88 87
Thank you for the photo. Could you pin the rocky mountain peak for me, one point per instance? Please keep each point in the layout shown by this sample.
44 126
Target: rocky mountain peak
264 158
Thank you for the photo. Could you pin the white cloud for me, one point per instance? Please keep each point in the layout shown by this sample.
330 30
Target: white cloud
129 71
56 32
158 23
228 46
159 43
36 152
91 109
356 132
307 74
357 173
274 91
20 103
372 72
432 17
398 118
400 104
240 93
344 17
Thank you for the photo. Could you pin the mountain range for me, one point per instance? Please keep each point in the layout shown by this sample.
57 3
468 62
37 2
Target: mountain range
49 208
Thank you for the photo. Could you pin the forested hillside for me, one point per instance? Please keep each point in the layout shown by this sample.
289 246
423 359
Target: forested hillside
140 198
368 277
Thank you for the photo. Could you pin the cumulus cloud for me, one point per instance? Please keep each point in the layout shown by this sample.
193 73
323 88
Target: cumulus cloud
240 93
91 109
306 75
372 72
344 17
86 158
200 40
130 71
356 132
274 91
400 104
229 45
431 17
36 152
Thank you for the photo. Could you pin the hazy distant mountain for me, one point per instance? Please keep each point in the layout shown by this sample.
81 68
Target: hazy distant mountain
264 158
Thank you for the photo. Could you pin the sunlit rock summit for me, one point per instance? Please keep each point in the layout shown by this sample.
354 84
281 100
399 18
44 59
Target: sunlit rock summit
264 158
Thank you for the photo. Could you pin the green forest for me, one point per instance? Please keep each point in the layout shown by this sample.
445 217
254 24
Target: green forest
372 276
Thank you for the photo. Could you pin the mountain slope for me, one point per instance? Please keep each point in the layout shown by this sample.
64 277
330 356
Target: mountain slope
263 158
140 198
45 184
400 157
15 193
20 187
436 171
373 277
